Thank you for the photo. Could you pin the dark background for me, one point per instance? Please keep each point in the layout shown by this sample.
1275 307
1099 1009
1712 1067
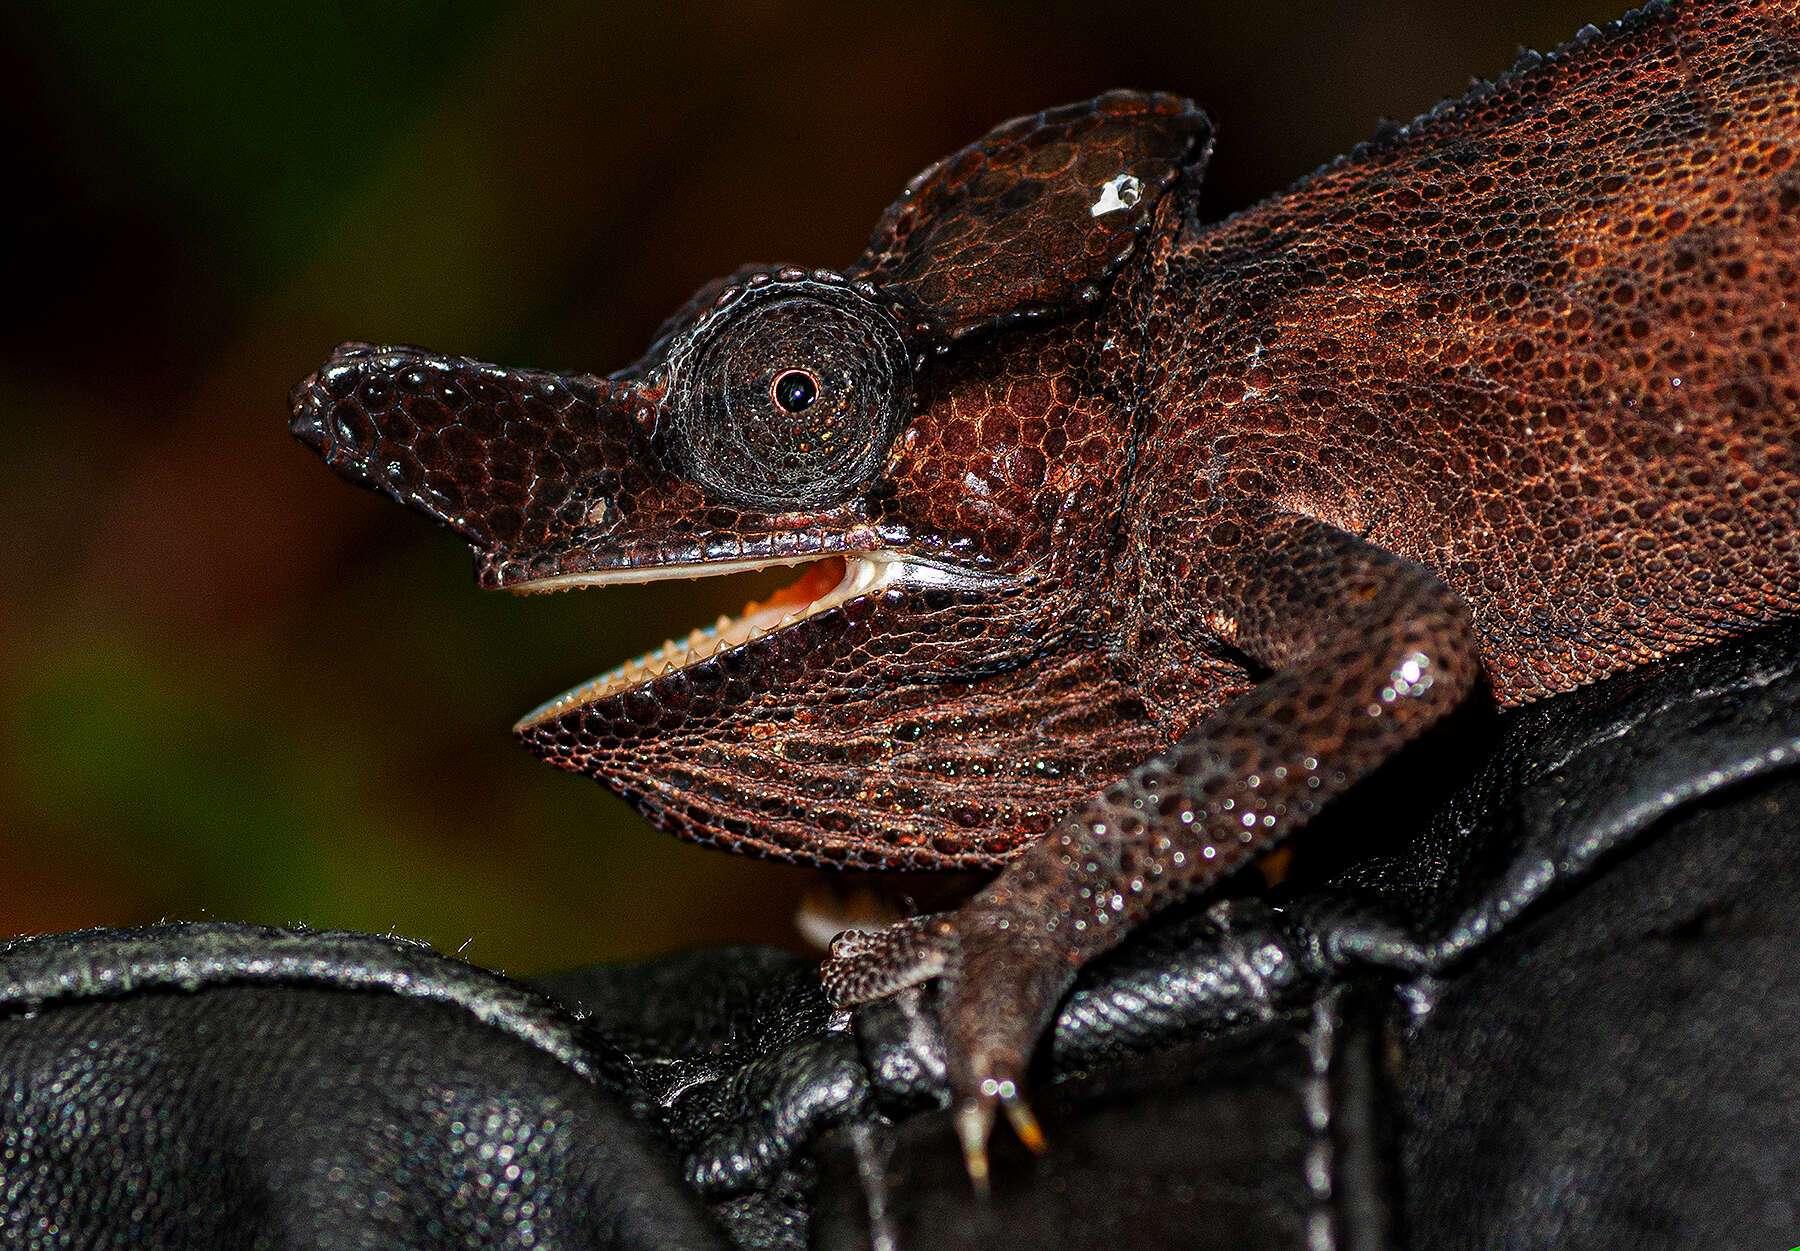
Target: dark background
231 685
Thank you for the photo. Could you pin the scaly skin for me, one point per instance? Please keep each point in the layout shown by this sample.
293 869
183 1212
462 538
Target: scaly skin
1203 521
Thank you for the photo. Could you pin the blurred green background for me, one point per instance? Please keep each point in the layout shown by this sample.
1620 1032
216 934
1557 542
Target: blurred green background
231 685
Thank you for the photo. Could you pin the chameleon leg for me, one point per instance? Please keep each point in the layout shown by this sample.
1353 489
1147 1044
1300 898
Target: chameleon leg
1366 650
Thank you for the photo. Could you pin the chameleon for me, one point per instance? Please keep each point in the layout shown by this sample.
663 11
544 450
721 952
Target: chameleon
1128 540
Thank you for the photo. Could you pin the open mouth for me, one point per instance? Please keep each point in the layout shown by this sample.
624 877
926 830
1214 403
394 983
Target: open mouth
823 585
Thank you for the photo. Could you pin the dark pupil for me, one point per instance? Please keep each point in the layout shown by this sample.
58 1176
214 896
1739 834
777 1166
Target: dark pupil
795 390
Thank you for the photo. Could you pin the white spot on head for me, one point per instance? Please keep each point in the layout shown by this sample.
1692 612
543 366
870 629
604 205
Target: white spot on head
1121 193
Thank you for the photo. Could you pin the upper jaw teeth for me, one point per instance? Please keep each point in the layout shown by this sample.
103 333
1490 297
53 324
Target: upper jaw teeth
864 574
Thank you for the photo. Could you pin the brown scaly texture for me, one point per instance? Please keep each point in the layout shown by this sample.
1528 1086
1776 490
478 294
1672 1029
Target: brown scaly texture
957 243
1206 521
1544 342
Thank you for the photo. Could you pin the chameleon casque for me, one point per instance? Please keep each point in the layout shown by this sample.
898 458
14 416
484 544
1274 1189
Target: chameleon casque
1133 539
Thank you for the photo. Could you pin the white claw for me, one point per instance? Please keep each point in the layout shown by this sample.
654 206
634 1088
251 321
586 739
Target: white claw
974 1119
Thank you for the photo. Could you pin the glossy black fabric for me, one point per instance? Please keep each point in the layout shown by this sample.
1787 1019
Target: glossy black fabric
1546 1002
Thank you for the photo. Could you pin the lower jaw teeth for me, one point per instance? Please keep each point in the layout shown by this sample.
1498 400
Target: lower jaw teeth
862 575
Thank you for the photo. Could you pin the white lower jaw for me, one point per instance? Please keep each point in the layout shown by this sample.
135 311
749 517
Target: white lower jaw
865 573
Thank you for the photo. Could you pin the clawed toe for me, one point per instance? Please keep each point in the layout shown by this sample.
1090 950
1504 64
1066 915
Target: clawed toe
866 965
1024 1121
988 1027
975 1125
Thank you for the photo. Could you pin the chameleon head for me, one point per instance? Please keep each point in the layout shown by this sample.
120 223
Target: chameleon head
934 433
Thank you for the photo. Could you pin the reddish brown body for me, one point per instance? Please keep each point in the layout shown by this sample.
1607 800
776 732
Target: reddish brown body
1158 533
1543 342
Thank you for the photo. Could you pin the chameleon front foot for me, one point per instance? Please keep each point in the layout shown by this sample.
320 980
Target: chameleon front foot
990 1013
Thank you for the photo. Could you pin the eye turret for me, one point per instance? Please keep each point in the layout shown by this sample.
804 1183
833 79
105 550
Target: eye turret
790 397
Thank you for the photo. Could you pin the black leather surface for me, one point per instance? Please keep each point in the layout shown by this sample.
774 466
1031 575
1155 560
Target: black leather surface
271 1109
1541 1001
1277 1138
1623 1069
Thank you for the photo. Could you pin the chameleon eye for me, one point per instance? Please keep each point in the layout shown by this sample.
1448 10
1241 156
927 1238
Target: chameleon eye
795 390
791 398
